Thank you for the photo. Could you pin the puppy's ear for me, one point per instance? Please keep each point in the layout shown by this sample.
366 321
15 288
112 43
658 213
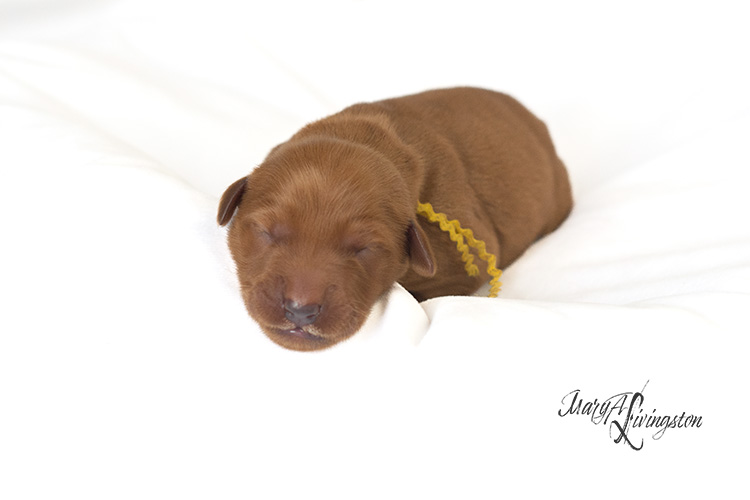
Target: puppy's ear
420 251
229 201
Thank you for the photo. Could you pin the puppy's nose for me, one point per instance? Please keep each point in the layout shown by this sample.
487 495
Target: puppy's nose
301 315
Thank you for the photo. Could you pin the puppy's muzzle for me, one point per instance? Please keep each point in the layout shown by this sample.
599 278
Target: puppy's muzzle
301 315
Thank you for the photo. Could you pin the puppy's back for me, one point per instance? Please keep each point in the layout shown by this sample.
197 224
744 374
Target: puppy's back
485 145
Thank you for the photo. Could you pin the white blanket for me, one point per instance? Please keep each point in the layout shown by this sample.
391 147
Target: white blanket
130 369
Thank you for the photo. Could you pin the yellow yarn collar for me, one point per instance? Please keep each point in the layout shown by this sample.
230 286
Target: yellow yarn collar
457 234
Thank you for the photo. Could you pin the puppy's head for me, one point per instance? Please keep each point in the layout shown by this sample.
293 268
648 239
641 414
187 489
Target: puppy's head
320 231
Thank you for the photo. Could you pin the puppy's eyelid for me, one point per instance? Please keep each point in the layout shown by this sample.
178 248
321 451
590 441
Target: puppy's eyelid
361 244
364 251
275 233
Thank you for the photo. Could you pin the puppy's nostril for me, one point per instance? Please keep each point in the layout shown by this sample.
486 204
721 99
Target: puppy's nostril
301 315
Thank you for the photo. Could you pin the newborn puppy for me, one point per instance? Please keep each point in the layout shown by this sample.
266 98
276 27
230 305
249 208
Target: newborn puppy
327 223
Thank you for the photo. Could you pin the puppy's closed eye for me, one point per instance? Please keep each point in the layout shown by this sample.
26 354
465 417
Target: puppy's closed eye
272 234
363 251
366 254
361 246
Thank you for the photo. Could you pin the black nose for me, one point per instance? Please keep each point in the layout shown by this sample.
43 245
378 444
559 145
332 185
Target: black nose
301 315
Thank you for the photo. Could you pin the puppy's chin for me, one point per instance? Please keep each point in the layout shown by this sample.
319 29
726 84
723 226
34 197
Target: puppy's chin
299 339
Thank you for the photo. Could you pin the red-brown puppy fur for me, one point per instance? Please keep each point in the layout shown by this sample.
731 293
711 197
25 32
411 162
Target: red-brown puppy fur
327 224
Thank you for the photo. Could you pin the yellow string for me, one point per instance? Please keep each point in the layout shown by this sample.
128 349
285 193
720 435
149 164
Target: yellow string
457 234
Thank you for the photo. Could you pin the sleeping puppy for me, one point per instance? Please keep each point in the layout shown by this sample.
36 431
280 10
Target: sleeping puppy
327 223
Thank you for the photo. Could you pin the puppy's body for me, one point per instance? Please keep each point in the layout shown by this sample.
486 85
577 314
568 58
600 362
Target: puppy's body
328 222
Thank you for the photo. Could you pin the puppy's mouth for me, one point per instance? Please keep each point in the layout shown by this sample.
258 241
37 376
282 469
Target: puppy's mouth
300 333
299 339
